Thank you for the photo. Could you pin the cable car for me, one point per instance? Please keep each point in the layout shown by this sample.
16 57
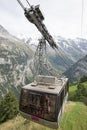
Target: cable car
43 100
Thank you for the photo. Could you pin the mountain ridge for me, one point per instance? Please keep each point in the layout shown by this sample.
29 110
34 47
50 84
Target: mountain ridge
14 63
76 71
69 51
3 30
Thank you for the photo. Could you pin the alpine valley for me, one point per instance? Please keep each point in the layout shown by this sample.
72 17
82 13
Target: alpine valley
17 54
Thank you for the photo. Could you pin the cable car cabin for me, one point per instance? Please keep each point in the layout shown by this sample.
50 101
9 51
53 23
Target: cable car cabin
43 101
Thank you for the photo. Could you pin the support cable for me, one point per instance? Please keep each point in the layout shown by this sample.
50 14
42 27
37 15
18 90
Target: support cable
28 3
82 15
58 52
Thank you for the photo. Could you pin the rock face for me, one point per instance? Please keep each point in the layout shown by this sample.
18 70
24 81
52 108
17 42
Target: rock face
14 63
78 70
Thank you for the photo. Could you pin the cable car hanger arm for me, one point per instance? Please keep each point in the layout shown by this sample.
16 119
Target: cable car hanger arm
35 16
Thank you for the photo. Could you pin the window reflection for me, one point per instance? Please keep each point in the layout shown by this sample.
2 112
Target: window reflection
38 104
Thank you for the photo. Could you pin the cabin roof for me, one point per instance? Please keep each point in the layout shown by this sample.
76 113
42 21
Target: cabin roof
48 84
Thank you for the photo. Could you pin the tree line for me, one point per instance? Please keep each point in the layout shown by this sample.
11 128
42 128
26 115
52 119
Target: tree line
81 92
8 107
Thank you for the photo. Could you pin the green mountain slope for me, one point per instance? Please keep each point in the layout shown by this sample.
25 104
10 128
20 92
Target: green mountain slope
78 92
75 118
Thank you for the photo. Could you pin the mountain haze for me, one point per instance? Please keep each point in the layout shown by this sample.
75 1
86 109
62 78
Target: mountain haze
76 71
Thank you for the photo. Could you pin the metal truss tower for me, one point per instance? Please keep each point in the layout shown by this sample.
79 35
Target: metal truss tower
40 65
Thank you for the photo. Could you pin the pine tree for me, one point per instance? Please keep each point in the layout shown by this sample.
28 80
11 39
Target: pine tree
81 93
8 107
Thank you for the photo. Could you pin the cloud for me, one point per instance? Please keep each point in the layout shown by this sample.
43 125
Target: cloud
61 17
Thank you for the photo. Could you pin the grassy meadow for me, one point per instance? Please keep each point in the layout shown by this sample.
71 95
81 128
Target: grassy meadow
74 118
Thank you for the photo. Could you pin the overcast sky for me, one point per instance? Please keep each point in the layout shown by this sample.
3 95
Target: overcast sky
62 18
